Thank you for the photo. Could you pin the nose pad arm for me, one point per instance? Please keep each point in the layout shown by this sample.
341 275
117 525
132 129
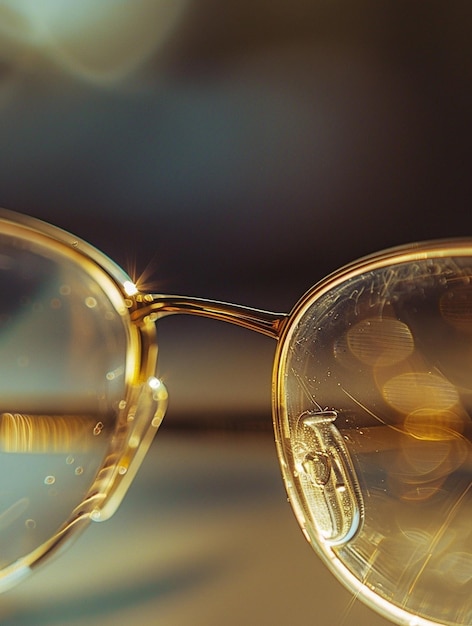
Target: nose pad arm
327 476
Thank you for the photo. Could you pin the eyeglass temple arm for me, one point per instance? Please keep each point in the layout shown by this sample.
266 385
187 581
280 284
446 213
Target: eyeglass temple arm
157 306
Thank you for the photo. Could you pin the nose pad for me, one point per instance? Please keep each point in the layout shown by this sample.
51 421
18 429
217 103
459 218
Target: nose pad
326 472
144 412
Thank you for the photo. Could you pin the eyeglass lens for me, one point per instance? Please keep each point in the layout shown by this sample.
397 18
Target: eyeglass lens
375 389
63 347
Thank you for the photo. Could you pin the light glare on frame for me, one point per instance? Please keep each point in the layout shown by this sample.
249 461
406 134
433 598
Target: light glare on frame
130 288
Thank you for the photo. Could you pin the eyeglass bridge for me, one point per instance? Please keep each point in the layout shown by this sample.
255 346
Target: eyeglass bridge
155 306
328 478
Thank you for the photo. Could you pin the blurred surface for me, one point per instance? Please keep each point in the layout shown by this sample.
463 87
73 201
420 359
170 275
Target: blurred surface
205 537
239 152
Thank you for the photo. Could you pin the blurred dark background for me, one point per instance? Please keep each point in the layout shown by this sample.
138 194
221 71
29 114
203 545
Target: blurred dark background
236 150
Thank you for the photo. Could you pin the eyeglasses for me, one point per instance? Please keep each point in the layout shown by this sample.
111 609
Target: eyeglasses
372 395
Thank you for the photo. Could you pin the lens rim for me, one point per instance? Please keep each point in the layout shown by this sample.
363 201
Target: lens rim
133 433
401 254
